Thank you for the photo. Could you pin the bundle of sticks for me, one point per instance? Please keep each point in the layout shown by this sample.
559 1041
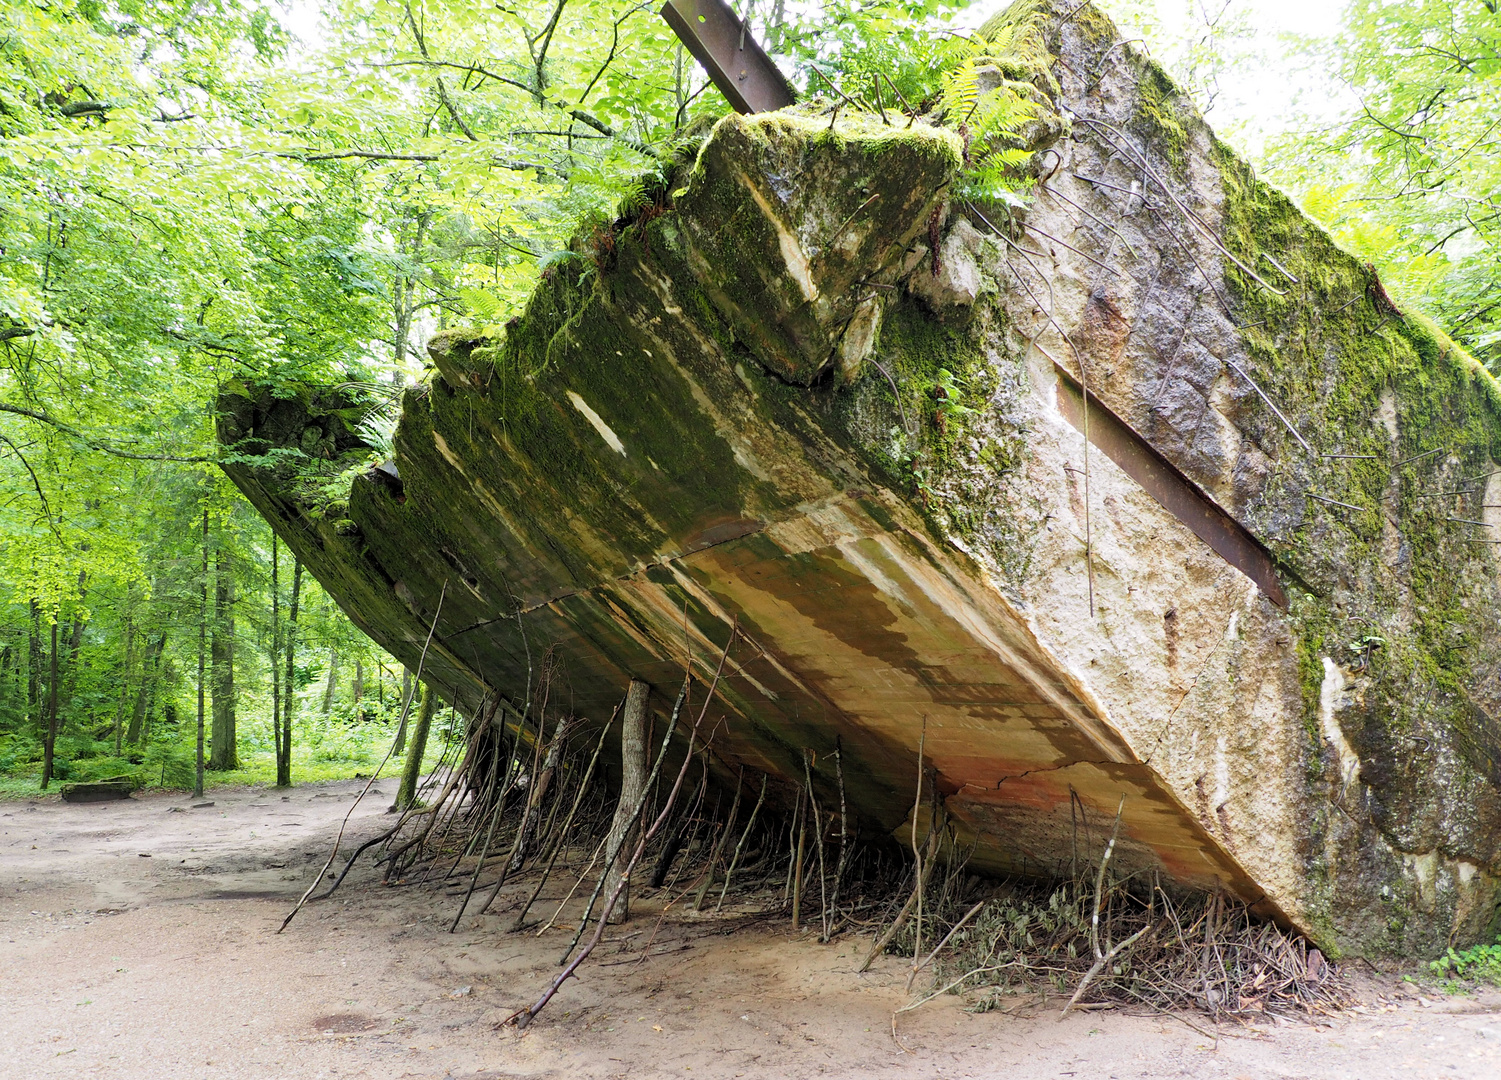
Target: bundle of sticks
1130 941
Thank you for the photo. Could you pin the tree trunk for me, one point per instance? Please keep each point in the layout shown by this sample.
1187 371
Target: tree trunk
406 709
633 767
276 656
333 675
7 656
34 669
127 677
75 641
289 684
51 743
357 689
202 656
406 794
225 753
151 665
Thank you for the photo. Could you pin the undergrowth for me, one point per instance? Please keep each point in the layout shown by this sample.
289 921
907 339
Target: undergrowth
336 747
1152 949
1463 970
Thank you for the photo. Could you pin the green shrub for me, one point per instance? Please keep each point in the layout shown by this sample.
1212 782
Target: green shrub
1480 963
169 764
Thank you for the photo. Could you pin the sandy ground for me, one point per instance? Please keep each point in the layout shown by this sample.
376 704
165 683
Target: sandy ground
136 940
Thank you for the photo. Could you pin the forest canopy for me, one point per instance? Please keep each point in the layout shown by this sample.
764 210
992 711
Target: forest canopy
190 194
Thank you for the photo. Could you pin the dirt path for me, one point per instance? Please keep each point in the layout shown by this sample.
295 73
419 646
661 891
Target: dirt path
166 965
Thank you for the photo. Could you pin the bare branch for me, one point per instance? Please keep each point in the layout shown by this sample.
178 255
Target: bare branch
94 443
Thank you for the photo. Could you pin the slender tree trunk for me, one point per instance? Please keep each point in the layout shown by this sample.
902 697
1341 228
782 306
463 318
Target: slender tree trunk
406 709
289 685
333 676
151 666
357 690
633 768
34 669
276 658
406 794
126 680
75 642
50 745
225 751
202 656
7 656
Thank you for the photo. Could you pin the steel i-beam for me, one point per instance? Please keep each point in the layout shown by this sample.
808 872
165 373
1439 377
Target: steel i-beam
722 42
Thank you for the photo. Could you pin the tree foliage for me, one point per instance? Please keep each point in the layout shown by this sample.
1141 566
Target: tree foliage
1410 178
190 195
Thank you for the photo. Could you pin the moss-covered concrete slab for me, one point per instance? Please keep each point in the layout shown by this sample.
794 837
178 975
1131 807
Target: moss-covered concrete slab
752 406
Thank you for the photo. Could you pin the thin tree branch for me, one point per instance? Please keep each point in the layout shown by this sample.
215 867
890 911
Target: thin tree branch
405 710
46 507
97 444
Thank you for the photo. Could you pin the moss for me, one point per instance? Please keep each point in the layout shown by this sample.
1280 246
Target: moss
936 413
1329 349
573 350
790 211
1159 111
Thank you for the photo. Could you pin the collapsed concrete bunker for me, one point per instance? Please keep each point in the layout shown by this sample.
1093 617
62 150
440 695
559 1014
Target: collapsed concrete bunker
810 394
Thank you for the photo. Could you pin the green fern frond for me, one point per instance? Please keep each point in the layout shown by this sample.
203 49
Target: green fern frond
483 305
961 89
552 258
633 199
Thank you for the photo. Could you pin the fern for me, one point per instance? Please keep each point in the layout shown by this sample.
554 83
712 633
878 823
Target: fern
482 304
1005 56
633 198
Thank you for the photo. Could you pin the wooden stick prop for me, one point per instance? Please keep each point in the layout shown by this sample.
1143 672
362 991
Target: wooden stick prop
332 855
382 838
567 822
496 814
844 848
395 866
531 811
525 1016
718 849
1103 958
544 831
968 915
735 859
818 831
932 828
797 815
453 813
434 810
921 867
613 853
682 836
797 860
507 763
599 850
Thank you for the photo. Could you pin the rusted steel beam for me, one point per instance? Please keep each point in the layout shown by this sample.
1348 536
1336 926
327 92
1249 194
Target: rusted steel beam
721 41
1162 480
